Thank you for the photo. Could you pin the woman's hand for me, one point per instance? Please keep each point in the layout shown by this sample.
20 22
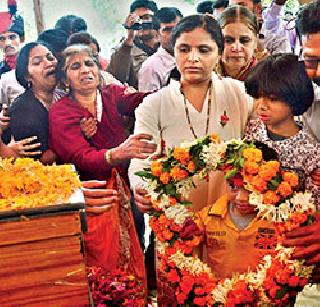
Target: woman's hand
136 146
142 201
315 175
25 147
4 119
48 157
97 198
88 127
306 240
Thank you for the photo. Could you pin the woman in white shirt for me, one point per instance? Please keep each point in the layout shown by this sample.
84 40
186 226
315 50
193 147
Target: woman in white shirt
198 104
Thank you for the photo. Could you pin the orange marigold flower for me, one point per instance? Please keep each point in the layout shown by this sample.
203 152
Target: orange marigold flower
186 284
181 155
267 171
252 154
270 197
173 276
258 184
274 165
172 200
200 301
194 242
156 168
291 178
165 177
284 189
178 174
251 167
167 234
181 297
191 166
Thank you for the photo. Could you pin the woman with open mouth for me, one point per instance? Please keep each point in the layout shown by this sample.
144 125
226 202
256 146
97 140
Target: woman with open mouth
111 240
36 72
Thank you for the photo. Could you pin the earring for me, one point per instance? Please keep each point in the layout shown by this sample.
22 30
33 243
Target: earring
67 89
29 84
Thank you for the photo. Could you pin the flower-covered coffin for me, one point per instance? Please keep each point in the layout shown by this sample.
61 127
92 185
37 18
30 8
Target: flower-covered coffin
40 242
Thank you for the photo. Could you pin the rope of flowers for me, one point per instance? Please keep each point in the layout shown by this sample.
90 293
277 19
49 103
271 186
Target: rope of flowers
169 180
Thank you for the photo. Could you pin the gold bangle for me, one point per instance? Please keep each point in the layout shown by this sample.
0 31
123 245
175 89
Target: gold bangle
108 156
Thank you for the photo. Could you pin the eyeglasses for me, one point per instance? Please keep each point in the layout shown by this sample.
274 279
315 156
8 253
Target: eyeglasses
11 37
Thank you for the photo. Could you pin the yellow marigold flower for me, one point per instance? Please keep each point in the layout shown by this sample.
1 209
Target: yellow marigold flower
251 167
252 154
181 155
275 165
178 174
270 197
156 168
291 178
284 189
165 177
215 138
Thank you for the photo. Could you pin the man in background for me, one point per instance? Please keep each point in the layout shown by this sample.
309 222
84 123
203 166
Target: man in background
155 70
140 43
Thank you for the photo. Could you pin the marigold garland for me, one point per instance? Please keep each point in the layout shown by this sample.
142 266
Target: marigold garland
26 183
169 181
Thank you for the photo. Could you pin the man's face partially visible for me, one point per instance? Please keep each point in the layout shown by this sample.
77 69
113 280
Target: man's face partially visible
145 14
247 3
9 43
311 55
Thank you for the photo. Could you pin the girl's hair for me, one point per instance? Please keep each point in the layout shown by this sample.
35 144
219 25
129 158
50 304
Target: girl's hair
22 63
192 22
284 77
71 51
239 14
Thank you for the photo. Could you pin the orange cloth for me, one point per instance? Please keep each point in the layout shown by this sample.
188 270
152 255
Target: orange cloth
228 249
111 241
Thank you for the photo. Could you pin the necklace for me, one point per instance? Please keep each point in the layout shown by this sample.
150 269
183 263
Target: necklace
208 110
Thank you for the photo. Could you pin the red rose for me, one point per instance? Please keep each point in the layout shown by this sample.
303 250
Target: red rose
189 229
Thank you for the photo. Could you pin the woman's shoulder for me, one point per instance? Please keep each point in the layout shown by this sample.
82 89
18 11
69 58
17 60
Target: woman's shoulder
23 101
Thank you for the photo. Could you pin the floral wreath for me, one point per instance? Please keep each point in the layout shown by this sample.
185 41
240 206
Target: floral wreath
277 278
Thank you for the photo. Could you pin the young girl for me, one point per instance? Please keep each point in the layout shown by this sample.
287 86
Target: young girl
283 90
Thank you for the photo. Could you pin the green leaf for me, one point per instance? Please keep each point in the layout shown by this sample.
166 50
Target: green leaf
231 173
170 189
282 292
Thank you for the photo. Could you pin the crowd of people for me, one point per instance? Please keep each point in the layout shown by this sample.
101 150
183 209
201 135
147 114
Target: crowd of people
171 79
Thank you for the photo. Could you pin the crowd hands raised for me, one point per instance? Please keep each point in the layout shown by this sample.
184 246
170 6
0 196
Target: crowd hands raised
62 102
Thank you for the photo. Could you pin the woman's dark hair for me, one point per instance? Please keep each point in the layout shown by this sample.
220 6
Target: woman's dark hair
71 24
239 14
54 39
151 5
205 7
284 77
22 63
308 21
192 22
82 38
220 3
